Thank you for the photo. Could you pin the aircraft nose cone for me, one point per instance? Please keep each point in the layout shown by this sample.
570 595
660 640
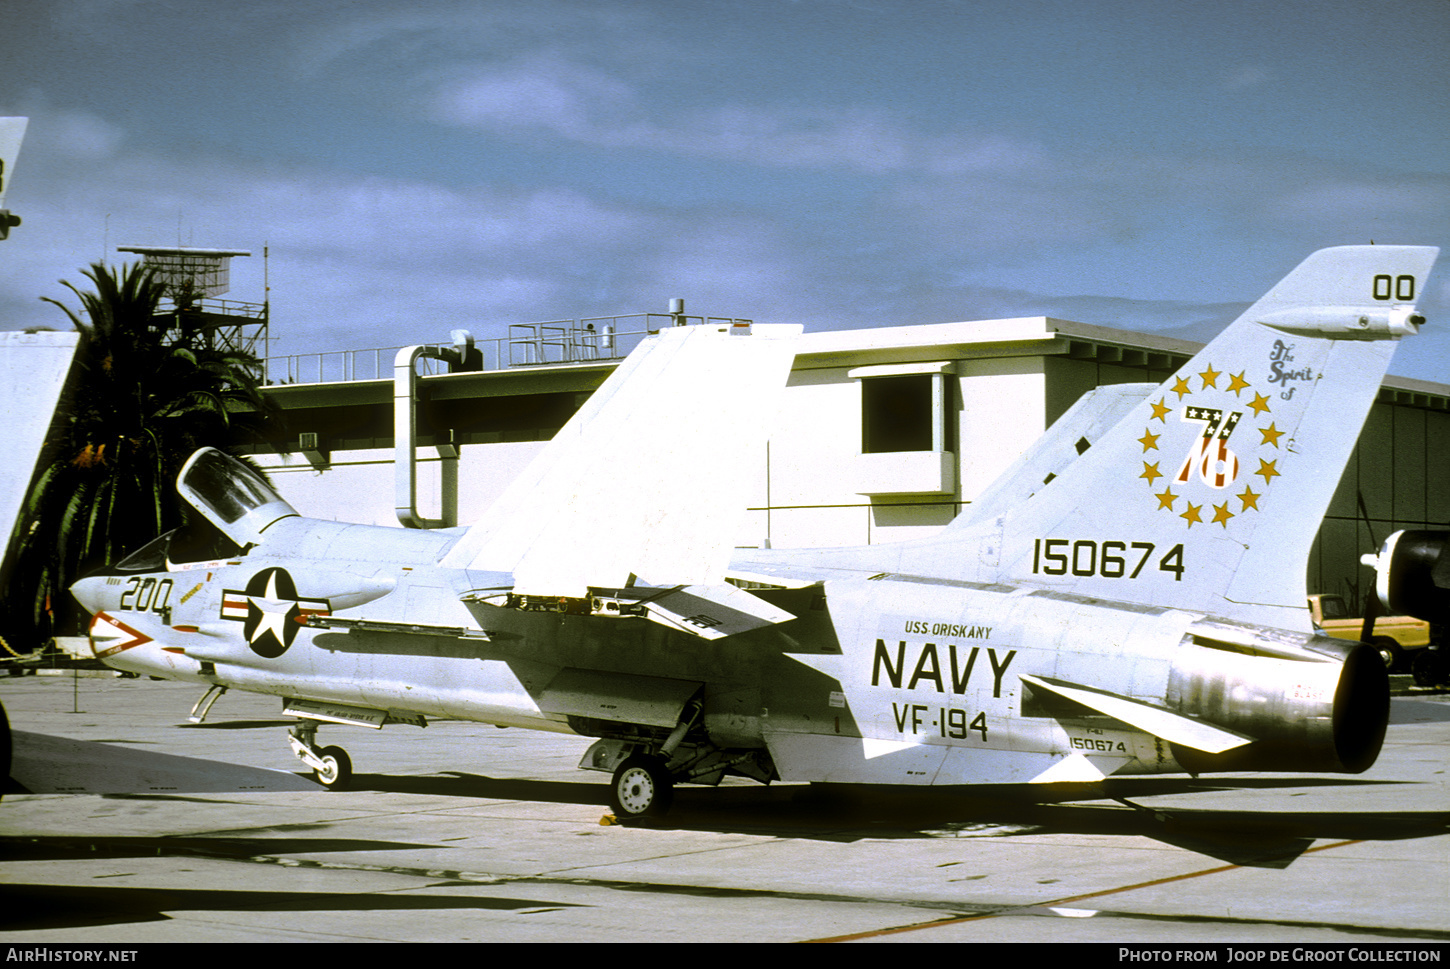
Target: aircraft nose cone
91 593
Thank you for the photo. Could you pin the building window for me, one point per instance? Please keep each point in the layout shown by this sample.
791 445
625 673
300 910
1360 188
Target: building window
905 412
896 414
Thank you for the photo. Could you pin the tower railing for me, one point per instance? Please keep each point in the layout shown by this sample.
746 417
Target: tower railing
545 343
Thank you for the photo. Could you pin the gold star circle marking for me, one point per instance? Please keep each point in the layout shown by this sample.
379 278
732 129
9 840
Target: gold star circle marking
1227 467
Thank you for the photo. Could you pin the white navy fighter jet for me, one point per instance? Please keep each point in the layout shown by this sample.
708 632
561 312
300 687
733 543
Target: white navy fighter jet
1127 599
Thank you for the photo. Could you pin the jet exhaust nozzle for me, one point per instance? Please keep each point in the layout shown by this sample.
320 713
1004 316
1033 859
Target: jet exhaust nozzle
1316 704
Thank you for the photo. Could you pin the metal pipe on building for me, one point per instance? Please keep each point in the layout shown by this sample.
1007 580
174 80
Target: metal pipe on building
405 434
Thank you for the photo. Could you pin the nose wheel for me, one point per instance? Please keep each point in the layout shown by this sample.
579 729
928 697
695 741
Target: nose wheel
331 766
335 774
641 788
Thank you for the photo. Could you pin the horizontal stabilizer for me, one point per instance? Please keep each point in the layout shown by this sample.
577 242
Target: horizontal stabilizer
1158 721
647 481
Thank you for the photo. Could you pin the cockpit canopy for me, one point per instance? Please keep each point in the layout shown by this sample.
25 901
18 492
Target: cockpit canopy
231 496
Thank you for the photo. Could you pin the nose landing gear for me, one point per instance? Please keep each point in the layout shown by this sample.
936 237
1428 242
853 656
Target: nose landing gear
331 766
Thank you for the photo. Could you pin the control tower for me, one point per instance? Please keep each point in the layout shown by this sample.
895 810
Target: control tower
194 278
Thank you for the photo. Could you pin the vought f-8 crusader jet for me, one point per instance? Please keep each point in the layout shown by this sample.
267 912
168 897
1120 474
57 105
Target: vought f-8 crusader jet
1128 598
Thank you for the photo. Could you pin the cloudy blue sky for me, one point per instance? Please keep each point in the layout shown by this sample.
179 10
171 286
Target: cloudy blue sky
423 165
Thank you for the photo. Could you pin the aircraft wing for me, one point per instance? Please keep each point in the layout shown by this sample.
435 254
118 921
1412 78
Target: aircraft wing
646 483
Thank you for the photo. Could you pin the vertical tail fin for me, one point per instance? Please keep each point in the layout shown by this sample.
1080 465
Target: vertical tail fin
12 132
1208 495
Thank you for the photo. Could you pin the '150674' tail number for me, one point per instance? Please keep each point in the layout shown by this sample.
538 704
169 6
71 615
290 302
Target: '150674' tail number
1098 745
1110 560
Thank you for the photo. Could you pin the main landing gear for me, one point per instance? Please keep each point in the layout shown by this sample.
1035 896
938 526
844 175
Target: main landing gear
642 788
330 765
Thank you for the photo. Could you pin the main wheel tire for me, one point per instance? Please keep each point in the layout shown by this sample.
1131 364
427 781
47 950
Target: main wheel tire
642 788
336 771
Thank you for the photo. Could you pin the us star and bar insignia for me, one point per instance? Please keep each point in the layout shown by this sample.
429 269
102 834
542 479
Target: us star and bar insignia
271 611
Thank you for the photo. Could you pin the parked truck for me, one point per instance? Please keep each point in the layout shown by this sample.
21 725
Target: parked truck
1394 636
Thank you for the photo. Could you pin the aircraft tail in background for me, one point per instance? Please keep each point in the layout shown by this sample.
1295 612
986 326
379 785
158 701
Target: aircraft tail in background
12 132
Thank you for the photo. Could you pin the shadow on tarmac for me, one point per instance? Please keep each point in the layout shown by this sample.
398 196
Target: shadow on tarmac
70 906
35 907
843 813
817 812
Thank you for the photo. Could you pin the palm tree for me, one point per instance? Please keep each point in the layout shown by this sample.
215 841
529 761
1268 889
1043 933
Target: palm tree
146 393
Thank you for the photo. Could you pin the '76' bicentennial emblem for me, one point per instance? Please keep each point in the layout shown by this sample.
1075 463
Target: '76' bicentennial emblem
270 611
1210 457
1212 482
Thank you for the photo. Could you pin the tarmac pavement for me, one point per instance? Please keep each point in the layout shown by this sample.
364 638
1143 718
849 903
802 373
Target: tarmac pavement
464 832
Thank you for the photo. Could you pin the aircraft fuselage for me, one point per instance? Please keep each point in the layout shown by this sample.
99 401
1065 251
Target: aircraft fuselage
886 679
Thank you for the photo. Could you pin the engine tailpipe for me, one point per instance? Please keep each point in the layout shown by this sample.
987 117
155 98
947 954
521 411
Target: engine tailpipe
1311 703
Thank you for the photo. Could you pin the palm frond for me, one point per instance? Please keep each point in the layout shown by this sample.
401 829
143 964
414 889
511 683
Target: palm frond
148 392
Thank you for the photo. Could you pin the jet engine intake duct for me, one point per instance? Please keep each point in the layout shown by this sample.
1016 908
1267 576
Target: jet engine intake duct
1309 702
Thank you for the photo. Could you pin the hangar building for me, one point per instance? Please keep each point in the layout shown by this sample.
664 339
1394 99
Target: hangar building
884 433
